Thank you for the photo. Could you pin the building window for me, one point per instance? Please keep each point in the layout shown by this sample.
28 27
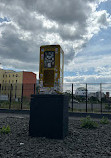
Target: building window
9 75
16 81
6 75
3 75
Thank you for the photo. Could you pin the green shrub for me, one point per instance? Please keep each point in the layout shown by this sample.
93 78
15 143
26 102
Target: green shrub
5 130
108 107
88 123
104 120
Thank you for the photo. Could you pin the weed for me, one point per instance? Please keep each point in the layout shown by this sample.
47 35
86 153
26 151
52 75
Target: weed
108 107
88 123
104 120
5 130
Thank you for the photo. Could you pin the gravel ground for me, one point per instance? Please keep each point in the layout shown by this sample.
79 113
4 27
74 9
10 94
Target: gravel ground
80 142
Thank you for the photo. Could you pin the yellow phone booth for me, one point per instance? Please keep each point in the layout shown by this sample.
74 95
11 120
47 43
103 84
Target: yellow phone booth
51 69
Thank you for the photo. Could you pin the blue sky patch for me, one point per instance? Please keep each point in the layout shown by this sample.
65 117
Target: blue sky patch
3 19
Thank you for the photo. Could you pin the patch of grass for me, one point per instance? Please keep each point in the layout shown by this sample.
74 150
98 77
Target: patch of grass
104 120
4 104
5 130
88 123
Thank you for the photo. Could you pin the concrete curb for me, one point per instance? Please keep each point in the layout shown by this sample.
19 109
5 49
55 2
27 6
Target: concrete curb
93 115
71 114
15 111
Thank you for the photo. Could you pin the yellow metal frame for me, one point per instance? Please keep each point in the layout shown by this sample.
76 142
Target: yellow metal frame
58 68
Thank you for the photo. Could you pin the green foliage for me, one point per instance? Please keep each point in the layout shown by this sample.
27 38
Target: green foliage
104 120
5 130
4 104
93 99
88 123
107 107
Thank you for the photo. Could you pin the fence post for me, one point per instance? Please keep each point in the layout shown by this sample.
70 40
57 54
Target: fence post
86 97
10 96
101 95
72 97
34 88
15 91
22 97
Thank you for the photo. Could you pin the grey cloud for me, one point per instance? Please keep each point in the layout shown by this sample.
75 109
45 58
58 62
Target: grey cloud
22 17
60 11
28 22
69 57
73 13
67 35
64 11
103 20
12 47
88 79
19 65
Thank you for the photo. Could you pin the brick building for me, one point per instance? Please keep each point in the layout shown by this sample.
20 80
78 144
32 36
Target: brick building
29 83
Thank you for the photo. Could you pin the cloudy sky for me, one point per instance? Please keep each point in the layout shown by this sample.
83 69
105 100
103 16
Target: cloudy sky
81 27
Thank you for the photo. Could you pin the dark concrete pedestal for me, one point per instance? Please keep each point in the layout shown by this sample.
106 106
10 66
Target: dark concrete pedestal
48 116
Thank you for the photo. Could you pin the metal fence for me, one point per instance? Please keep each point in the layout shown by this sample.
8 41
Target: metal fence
16 96
83 97
90 97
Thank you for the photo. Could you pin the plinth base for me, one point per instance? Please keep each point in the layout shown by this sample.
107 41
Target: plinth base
48 116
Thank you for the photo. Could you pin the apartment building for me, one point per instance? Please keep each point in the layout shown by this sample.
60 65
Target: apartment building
1 74
17 84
